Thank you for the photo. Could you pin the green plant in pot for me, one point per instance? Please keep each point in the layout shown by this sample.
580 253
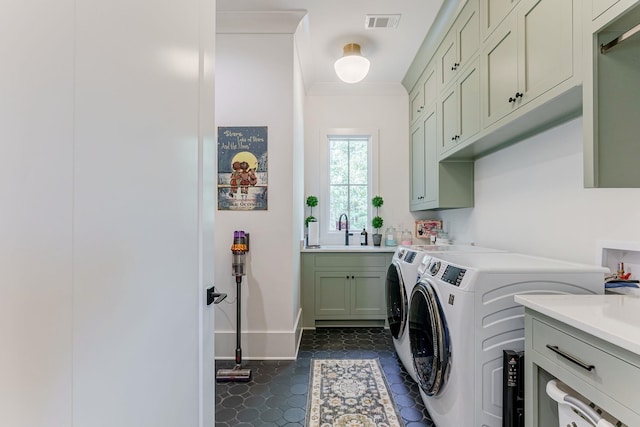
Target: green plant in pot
377 220
312 202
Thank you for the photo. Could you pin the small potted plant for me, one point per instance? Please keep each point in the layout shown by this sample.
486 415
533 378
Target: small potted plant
312 233
377 221
312 202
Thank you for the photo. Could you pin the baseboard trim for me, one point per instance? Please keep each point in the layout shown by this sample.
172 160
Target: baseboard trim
261 345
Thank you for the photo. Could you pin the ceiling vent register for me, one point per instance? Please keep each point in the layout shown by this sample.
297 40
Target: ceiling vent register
381 21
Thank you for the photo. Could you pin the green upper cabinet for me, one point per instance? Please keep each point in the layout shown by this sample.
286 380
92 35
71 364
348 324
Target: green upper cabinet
493 13
424 162
424 95
611 97
600 6
434 184
532 51
459 47
460 110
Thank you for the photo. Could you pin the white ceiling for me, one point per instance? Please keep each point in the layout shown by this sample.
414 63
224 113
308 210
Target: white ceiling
330 24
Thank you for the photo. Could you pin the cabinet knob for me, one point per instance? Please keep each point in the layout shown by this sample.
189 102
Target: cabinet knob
518 94
453 138
353 277
511 99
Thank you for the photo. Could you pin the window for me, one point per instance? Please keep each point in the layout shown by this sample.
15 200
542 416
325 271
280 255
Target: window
349 179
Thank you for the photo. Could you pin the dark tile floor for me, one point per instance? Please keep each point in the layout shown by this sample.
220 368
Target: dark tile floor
277 392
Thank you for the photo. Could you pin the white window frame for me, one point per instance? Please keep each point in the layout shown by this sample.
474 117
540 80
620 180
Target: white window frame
328 237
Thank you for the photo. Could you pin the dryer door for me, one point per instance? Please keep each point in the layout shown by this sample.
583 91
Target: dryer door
397 303
429 338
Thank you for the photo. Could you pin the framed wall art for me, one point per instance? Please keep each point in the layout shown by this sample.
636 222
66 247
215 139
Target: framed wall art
242 168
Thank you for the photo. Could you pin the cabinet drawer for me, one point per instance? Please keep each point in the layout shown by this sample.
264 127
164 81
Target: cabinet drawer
350 261
612 375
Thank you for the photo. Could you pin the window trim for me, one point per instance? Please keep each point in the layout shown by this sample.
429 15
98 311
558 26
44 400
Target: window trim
337 237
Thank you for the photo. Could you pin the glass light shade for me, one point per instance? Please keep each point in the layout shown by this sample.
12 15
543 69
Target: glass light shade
352 67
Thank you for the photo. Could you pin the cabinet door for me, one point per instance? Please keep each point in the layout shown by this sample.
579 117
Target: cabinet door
494 12
545 46
469 99
417 165
468 34
429 87
368 293
424 94
417 102
424 162
447 60
599 6
431 163
332 294
500 85
449 119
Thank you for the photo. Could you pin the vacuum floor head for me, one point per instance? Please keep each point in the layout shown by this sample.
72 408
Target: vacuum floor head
237 374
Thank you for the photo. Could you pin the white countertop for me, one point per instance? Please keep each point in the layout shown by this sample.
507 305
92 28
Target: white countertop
350 248
613 318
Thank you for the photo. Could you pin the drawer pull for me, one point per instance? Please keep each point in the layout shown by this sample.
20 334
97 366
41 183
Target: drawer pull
570 358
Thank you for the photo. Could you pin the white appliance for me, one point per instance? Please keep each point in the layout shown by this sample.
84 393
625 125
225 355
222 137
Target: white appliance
402 276
462 315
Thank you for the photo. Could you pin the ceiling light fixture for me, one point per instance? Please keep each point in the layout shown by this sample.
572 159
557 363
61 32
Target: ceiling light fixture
352 67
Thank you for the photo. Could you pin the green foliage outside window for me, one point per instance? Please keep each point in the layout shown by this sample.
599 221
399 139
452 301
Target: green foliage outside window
348 181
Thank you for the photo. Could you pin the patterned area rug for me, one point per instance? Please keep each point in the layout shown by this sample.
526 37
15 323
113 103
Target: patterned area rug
349 393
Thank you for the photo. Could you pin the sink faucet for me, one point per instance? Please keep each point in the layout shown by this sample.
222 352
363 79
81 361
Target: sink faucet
346 228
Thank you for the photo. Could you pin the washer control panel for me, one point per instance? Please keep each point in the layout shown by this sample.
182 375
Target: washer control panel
410 256
434 267
453 275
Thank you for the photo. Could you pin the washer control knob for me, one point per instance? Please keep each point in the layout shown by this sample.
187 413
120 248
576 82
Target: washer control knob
434 268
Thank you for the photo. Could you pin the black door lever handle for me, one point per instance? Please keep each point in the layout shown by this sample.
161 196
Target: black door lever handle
214 297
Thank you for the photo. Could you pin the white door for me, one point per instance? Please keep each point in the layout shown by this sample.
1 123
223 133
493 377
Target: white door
106 213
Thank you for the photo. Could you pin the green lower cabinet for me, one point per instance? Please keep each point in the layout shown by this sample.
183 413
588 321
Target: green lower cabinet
332 294
344 289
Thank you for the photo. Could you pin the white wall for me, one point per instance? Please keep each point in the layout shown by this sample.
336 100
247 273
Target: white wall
529 198
255 87
298 183
386 113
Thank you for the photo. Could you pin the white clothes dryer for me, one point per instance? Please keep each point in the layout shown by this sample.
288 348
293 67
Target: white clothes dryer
402 276
462 315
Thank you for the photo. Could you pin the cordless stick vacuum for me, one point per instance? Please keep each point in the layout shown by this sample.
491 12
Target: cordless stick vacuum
239 249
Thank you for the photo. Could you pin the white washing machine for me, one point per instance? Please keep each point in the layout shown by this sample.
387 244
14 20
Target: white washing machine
402 276
402 273
462 315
